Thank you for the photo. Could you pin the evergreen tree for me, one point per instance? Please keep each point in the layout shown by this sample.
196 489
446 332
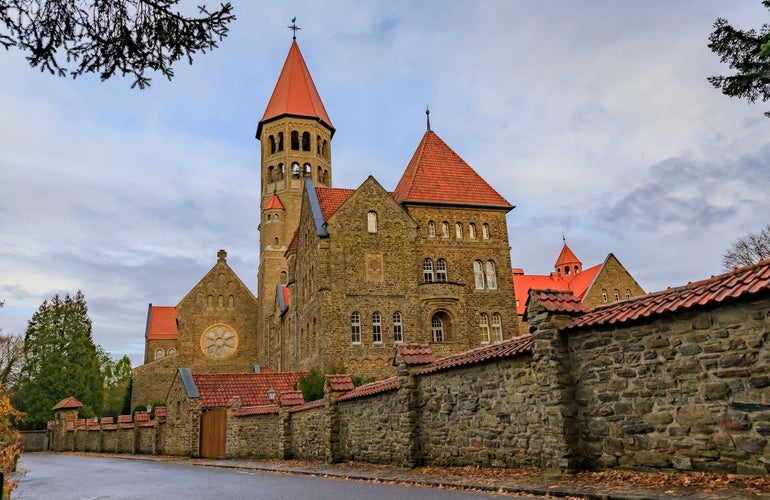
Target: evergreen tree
60 360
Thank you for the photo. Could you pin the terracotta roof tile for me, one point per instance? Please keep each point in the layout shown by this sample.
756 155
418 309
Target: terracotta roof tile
295 93
67 404
559 300
436 174
566 256
738 283
339 382
523 283
274 203
415 354
294 245
161 323
504 349
218 389
255 410
330 199
308 406
371 389
292 398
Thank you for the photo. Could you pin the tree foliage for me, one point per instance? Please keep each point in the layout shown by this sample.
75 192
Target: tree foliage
108 37
9 440
747 52
116 376
748 250
60 360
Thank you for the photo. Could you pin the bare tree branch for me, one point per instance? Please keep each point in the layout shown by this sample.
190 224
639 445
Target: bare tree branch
748 250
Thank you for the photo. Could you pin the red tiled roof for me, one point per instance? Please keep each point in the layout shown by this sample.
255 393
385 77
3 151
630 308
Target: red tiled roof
218 389
295 93
255 410
371 389
308 406
330 199
738 283
523 283
566 256
559 300
415 354
69 403
436 174
161 324
274 203
339 382
504 349
294 245
292 398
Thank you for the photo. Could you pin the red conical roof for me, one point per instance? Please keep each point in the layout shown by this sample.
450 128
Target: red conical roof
566 257
274 203
436 174
295 93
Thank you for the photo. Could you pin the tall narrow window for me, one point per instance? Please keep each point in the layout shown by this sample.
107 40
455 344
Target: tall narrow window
437 329
628 293
484 328
478 274
376 328
427 271
280 141
459 230
604 295
472 230
305 141
398 328
491 275
355 328
294 139
485 231
445 229
441 270
616 295
295 170
371 221
272 144
431 229
497 328
158 353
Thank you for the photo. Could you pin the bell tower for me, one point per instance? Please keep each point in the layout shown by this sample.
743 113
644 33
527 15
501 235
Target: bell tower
295 133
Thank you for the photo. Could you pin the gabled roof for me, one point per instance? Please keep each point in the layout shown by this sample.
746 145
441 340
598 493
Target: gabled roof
523 283
504 349
370 389
69 403
330 199
161 323
741 282
218 389
436 174
339 382
557 301
274 203
295 93
415 354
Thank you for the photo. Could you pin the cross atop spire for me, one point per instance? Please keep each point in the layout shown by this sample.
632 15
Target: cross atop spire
294 28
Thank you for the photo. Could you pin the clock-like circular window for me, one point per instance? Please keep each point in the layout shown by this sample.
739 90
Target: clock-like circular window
219 341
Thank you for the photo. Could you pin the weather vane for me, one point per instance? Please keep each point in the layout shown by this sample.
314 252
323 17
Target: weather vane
294 28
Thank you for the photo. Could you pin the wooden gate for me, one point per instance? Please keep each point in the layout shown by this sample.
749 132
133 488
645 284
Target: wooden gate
214 433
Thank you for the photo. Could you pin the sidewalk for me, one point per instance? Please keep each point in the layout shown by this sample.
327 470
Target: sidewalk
614 485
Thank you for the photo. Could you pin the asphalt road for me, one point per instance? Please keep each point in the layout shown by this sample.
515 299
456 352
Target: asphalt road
62 477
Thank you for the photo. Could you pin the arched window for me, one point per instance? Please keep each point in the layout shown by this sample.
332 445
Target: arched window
398 329
272 144
230 301
355 328
376 328
441 270
305 141
281 172
427 271
431 229
294 139
478 274
371 221
485 231
171 351
270 173
307 169
283 277
210 301
491 275
566 270
437 328
318 144
158 353
628 293
472 230
497 328
325 150
276 242
280 141
484 328
616 295
445 229
459 230
604 295
577 269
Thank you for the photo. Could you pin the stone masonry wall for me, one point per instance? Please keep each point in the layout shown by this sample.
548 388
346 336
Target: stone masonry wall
690 391
253 436
367 426
308 429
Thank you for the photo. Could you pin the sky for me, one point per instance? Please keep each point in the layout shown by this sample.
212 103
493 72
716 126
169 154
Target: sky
593 118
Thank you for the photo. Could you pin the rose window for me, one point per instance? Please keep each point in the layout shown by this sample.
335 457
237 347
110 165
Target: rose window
219 341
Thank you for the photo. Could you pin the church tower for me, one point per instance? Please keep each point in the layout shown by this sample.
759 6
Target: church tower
295 133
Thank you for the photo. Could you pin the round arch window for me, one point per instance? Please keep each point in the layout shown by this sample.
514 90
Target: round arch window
219 341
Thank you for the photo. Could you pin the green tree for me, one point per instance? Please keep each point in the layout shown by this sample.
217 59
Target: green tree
747 52
747 250
60 360
116 376
109 37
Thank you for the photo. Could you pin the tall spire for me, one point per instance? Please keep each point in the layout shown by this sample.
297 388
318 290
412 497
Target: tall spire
294 28
295 93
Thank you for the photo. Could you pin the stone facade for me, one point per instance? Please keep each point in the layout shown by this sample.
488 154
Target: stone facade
611 284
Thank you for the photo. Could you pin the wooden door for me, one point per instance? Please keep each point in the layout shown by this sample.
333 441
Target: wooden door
214 433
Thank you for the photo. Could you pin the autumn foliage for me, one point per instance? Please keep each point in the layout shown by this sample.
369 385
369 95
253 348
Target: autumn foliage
9 439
